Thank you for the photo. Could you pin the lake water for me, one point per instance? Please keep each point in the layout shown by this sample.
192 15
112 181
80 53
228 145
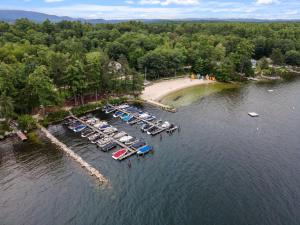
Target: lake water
223 168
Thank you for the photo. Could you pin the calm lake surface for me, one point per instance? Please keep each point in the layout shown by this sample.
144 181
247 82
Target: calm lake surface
223 168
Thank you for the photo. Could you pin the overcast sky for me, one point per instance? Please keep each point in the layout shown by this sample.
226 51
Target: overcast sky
161 9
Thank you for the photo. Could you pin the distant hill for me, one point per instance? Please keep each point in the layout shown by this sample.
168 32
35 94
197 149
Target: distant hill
13 15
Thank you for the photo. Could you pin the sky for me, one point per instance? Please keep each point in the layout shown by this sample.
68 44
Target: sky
161 9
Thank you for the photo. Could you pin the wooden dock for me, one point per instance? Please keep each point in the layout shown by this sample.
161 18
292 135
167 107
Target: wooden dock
159 129
130 151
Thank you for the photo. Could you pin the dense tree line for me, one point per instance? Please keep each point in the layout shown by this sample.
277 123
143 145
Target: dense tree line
45 64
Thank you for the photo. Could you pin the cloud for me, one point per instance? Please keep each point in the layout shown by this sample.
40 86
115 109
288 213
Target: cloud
51 1
129 2
266 2
169 2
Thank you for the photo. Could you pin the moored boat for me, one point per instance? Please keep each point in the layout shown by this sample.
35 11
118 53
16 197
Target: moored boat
109 146
119 135
138 144
125 138
79 128
144 150
118 154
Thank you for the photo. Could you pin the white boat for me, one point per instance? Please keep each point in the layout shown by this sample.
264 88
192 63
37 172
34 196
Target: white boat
166 125
125 138
110 130
144 115
253 114
100 124
119 135
123 106
104 140
93 136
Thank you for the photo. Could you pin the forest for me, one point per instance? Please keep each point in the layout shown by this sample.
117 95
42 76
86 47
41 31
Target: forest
47 64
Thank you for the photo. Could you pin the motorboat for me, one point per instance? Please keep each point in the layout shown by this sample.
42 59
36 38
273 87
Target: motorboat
118 154
131 141
104 127
123 106
172 128
109 146
92 137
110 130
144 150
87 132
117 114
125 138
100 124
97 139
128 118
145 127
79 128
166 125
138 144
119 135
125 116
103 141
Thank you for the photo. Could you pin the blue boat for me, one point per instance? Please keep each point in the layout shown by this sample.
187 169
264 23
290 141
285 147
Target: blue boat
128 118
104 127
144 150
79 128
118 113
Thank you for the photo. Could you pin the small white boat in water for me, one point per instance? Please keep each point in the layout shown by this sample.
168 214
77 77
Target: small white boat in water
253 114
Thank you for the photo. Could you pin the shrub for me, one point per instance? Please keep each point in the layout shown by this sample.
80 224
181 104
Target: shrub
26 122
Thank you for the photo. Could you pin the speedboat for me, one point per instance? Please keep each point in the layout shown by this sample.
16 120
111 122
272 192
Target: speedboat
103 141
144 115
72 126
100 124
104 127
94 136
145 127
128 118
144 150
131 141
119 135
118 113
109 146
131 119
97 139
125 138
79 128
87 132
123 106
110 130
118 154
172 128
138 144
150 118
125 116
166 125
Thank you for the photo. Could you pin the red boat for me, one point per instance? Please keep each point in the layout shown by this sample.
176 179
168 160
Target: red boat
118 154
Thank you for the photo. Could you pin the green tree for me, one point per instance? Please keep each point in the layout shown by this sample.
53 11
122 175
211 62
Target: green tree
277 57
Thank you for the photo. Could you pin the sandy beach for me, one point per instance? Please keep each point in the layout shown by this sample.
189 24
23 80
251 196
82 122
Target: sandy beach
158 90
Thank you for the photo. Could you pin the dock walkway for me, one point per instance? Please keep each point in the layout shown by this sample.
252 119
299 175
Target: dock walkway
130 151
160 129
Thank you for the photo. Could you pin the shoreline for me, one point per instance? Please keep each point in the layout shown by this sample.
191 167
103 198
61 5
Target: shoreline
158 90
